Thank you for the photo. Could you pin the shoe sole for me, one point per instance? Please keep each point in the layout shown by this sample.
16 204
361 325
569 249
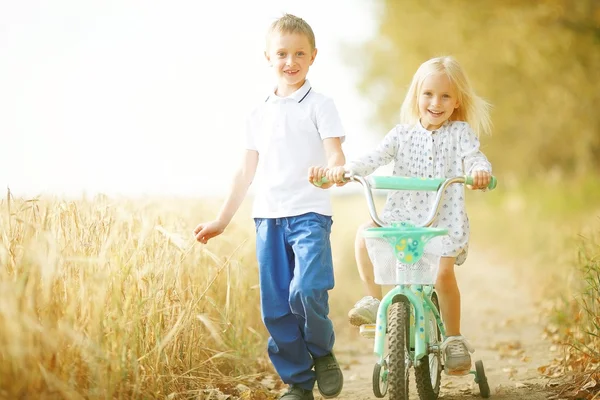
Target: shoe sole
358 320
457 372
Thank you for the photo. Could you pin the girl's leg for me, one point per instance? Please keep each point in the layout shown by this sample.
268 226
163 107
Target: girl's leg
456 349
364 264
449 296
365 310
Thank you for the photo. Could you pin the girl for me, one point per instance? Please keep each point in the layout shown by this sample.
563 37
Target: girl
441 118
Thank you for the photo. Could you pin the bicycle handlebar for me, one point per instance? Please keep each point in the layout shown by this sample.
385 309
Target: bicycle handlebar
405 183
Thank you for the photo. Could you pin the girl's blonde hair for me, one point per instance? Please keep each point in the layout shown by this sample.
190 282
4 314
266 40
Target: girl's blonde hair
472 108
289 23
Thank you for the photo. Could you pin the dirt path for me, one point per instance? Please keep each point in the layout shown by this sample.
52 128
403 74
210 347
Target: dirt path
501 322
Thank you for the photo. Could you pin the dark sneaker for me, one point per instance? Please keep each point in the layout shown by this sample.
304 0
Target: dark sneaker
297 393
330 379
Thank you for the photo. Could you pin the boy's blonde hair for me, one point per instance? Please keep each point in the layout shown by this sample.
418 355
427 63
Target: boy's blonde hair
472 108
291 24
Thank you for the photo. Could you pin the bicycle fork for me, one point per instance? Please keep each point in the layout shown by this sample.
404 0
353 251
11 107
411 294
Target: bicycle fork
419 297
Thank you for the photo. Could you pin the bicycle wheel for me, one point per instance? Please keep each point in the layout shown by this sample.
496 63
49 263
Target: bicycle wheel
428 370
398 337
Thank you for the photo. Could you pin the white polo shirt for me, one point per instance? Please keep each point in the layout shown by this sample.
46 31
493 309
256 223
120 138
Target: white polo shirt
288 133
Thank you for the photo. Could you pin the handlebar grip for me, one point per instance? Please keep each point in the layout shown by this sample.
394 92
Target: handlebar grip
324 180
491 186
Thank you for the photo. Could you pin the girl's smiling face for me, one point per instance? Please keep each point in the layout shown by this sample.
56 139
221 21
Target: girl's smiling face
437 99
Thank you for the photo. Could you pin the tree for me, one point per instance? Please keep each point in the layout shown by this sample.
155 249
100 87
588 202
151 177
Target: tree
537 62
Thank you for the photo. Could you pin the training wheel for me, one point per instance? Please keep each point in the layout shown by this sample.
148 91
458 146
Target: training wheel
481 380
380 379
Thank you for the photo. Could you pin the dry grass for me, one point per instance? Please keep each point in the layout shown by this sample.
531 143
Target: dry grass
108 298
112 299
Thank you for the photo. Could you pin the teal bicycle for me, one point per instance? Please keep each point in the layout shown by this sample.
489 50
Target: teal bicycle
408 319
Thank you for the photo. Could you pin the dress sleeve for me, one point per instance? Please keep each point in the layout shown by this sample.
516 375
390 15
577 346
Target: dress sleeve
473 158
382 155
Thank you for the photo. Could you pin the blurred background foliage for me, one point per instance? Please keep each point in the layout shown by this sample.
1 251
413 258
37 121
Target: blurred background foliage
537 62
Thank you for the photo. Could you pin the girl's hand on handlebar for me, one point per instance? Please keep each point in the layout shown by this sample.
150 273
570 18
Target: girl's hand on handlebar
481 179
336 175
316 175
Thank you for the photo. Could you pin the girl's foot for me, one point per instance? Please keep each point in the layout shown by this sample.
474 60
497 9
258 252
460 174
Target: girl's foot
364 311
457 360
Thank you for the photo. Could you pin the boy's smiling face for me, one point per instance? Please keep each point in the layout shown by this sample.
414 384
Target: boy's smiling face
290 55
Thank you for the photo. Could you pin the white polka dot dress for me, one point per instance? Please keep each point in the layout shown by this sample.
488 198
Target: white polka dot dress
451 150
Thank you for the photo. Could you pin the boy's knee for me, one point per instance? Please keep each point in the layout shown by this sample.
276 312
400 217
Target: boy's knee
303 299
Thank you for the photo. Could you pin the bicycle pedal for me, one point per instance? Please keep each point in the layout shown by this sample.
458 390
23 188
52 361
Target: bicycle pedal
368 331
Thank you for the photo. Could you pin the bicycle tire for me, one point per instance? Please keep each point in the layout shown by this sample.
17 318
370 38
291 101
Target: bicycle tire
398 336
428 384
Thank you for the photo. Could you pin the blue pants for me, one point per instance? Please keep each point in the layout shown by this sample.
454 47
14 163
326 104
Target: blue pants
296 272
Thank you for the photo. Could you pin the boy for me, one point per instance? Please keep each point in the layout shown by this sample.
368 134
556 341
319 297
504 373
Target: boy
293 129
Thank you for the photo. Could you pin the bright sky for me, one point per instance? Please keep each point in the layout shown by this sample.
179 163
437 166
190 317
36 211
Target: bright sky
149 97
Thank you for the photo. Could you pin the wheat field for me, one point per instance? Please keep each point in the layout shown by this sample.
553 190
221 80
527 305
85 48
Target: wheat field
113 299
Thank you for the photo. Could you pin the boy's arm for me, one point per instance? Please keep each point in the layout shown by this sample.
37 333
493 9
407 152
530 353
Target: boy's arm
241 182
329 126
333 152
239 187
335 158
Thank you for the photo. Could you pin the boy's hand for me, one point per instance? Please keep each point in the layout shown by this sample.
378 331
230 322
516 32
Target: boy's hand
481 180
336 175
208 230
316 174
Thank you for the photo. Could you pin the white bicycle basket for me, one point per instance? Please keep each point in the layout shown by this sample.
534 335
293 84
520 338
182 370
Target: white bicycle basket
399 254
